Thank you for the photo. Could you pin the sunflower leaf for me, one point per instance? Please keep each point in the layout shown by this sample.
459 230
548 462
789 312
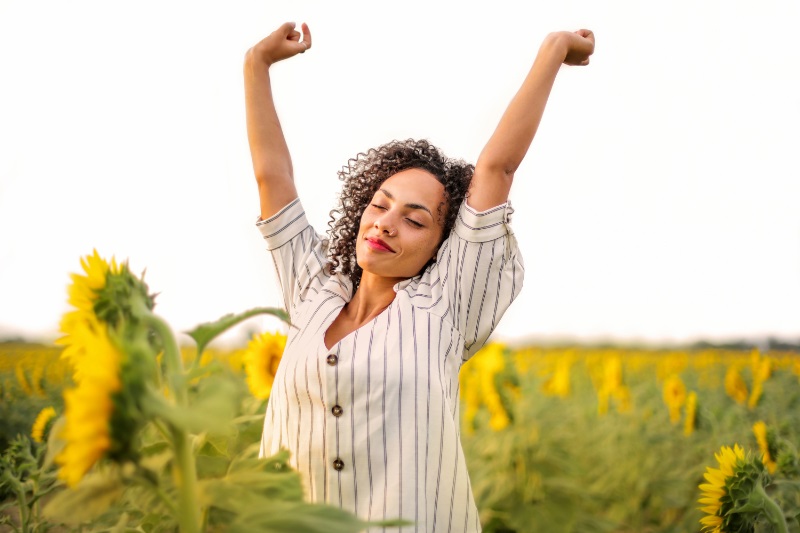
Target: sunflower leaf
276 517
211 466
205 333
212 408
89 499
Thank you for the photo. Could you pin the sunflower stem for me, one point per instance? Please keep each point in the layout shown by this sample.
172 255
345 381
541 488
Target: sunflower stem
172 358
185 469
772 511
186 477
23 510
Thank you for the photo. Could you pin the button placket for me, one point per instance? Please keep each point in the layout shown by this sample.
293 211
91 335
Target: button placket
333 360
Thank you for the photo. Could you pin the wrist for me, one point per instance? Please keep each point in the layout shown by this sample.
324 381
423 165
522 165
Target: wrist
556 44
255 57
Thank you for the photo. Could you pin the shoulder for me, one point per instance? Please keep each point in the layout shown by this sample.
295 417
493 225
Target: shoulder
482 226
287 224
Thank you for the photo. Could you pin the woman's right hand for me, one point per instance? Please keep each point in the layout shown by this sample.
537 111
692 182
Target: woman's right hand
580 45
281 44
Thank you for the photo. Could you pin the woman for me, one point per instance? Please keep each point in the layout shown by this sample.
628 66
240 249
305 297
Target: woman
409 285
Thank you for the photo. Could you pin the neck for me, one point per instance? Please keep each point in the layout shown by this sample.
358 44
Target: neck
374 294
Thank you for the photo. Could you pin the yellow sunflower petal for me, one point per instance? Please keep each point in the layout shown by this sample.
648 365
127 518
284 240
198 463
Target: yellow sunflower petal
89 406
261 359
40 424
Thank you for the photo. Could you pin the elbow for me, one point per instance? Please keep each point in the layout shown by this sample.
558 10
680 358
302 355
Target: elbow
270 178
503 169
269 170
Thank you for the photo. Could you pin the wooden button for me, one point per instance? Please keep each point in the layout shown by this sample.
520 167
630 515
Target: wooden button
338 464
332 359
337 410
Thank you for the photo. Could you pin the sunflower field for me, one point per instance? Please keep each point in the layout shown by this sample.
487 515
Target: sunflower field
118 428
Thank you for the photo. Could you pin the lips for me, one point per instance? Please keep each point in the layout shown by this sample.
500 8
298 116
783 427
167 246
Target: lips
377 244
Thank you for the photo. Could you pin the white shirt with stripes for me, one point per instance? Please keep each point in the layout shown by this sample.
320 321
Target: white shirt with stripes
373 423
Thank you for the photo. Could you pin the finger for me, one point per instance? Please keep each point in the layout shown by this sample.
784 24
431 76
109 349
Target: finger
586 34
293 36
306 35
286 28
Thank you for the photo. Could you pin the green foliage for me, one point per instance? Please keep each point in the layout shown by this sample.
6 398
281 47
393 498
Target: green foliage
116 301
25 475
280 517
561 467
558 467
93 496
211 409
206 332
19 407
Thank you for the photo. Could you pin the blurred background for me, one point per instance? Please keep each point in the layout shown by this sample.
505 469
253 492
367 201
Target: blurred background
657 205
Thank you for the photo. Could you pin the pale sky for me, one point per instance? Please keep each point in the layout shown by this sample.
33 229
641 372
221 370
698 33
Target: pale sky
659 201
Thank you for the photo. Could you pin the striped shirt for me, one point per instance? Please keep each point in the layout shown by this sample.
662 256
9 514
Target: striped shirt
373 423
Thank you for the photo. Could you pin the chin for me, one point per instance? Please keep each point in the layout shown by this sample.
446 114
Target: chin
384 272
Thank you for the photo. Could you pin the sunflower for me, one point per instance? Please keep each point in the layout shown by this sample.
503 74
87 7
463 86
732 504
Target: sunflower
674 397
261 359
762 372
88 408
734 499
78 325
108 347
490 363
691 414
84 289
714 492
22 379
41 426
763 439
559 383
735 385
613 386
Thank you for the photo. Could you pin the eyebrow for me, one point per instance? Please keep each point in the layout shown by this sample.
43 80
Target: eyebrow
412 206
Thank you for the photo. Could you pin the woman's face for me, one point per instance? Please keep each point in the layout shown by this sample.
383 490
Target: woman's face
401 228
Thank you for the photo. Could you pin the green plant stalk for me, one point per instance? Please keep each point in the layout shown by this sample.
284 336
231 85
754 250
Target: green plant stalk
772 510
22 502
186 478
34 512
24 512
172 358
185 469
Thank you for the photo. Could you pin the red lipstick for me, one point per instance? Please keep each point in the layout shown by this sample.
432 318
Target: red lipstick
377 244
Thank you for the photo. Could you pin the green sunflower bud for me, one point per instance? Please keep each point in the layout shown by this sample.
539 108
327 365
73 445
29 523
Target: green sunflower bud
117 299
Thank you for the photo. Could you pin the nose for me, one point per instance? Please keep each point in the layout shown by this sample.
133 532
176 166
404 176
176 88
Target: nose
385 224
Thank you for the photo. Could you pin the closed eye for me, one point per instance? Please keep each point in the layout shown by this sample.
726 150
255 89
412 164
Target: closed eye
376 206
414 222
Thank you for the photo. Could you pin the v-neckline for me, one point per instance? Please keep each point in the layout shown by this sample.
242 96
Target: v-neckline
327 327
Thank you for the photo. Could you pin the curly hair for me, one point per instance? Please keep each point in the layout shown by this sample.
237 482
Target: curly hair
364 175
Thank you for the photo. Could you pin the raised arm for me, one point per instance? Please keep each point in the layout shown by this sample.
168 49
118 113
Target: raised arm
272 163
510 141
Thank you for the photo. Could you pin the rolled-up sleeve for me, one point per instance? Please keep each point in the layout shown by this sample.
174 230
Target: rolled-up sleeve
299 254
481 272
